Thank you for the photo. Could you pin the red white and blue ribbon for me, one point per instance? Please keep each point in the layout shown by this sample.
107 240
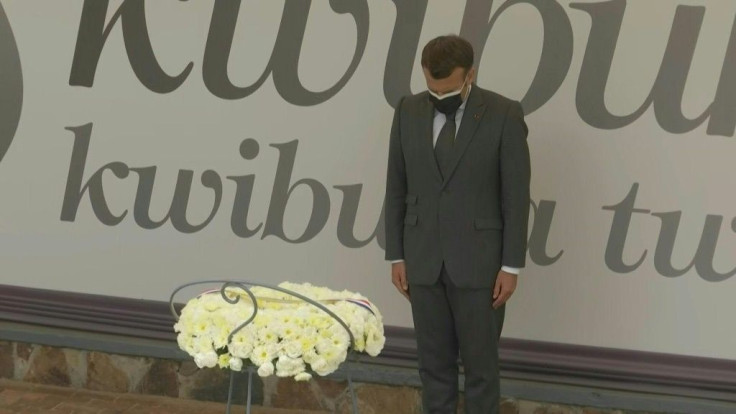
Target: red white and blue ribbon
363 303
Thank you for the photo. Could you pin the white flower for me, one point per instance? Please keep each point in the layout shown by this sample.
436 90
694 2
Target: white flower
236 364
241 350
262 354
185 342
206 359
202 345
284 337
292 348
375 340
288 330
288 367
268 335
310 356
303 376
266 369
223 361
322 367
324 346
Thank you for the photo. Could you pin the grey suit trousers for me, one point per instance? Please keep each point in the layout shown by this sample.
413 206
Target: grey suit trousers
449 321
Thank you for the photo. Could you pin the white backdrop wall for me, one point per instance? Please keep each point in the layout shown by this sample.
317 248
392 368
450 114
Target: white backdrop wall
631 107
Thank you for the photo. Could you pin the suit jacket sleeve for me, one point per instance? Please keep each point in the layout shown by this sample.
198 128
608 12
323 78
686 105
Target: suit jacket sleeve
395 191
515 177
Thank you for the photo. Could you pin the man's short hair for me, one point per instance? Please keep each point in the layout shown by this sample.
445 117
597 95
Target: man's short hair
443 54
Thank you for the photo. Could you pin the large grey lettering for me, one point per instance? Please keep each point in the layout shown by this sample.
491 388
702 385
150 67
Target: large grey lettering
348 215
540 229
74 188
667 92
622 213
284 60
702 260
704 255
93 34
556 57
282 192
403 49
476 27
249 149
179 203
723 110
11 84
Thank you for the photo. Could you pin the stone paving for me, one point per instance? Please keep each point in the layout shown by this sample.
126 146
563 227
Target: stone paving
18 397
43 379
21 397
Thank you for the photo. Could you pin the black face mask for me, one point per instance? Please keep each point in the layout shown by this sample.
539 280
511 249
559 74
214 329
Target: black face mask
449 102
447 105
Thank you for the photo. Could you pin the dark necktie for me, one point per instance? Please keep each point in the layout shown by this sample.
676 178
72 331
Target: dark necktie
445 143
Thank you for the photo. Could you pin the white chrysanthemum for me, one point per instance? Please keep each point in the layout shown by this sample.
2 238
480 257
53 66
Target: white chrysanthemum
310 356
185 342
266 369
268 335
375 340
201 345
289 330
206 359
288 367
236 364
241 350
242 343
294 333
292 348
340 337
303 376
223 361
321 367
262 354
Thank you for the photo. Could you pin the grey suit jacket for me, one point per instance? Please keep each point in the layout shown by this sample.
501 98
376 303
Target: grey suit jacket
475 219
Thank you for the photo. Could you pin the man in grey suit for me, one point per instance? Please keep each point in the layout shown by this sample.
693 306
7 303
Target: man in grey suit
457 206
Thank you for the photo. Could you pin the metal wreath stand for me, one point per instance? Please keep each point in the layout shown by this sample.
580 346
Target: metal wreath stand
245 286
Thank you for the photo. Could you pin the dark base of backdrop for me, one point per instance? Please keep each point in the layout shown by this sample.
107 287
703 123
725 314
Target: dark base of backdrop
535 370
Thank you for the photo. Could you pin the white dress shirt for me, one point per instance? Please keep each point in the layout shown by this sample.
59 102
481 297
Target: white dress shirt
439 122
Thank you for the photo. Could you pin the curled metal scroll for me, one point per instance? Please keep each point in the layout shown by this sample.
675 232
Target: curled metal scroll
245 286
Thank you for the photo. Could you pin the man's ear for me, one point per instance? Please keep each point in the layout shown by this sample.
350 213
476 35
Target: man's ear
471 75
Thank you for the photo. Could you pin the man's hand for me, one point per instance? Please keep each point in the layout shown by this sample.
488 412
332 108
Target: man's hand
505 286
398 276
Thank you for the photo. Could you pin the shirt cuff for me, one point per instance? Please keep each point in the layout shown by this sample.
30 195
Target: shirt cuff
512 270
397 261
